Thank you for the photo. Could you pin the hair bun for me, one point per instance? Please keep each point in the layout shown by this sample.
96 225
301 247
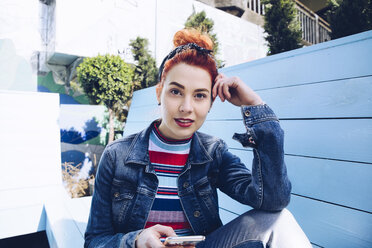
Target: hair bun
186 36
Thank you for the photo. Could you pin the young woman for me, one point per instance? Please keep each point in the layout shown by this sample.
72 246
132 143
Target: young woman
162 181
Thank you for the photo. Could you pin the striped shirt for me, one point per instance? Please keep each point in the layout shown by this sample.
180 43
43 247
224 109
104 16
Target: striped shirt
168 158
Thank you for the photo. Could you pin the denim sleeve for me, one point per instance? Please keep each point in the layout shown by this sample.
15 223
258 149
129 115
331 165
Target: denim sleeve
267 186
100 231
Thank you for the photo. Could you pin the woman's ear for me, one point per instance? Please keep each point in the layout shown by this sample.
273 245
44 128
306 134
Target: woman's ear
159 88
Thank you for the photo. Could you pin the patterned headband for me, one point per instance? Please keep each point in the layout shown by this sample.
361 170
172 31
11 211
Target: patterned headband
180 49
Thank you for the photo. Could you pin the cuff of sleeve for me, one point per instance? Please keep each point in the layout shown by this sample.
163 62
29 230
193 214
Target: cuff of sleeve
129 239
256 114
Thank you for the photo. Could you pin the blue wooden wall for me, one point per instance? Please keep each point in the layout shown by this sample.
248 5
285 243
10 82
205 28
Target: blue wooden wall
323 97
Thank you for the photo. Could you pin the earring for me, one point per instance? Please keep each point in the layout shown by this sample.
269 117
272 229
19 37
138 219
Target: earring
158 103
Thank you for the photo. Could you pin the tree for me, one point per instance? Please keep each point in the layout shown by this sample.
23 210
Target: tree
283 30
203 24
145 72
348 17
106 80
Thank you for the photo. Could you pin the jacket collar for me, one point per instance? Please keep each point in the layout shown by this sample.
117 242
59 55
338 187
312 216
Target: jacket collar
138 151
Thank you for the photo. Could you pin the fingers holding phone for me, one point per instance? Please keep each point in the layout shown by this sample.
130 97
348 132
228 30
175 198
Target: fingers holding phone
184 241
150 237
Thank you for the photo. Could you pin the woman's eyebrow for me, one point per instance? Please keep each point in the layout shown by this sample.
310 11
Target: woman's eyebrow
183 87
201 90
177 84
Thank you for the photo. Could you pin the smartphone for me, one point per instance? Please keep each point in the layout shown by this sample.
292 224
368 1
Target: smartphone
184 240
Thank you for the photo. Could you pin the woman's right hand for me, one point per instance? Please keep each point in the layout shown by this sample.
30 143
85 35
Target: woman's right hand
150 237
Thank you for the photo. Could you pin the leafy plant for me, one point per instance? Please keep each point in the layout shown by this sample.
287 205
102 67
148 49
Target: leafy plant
107 80
145 72
348 17
202 23
283 30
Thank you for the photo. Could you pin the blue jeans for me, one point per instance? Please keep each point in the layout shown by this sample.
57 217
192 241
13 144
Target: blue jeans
259 229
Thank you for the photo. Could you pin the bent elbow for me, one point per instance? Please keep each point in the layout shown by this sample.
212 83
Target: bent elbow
278 200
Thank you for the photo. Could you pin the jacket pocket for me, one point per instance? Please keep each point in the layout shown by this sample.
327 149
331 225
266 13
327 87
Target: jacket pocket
122 197
208 196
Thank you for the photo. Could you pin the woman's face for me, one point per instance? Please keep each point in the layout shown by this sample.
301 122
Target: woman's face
185 100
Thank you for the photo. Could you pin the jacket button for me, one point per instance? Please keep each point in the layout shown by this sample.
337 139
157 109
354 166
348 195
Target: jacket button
186 184
196 214
116 194
247 113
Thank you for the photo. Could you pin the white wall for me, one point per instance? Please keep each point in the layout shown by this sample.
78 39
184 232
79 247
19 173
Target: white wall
19 21
89 27
19 39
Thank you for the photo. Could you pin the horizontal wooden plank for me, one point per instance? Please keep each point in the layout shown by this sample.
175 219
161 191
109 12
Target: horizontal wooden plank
337 99
345 183
332 226
348 139
339 59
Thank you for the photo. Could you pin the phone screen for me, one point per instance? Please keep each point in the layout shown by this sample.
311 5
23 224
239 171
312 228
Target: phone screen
184 240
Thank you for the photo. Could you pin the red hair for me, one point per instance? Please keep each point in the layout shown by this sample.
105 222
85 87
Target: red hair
192 56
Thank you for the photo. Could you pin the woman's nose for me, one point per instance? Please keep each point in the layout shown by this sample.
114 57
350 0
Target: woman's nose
186 106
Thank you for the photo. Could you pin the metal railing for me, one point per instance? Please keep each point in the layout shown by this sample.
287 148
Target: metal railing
314 28
256 6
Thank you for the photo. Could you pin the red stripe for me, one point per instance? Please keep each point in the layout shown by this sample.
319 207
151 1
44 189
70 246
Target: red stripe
174 225
168 158
167 193
174 172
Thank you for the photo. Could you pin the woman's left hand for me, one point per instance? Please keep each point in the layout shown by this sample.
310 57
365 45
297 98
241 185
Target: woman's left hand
234 90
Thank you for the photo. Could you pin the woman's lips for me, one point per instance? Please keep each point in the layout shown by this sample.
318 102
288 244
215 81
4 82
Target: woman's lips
183 122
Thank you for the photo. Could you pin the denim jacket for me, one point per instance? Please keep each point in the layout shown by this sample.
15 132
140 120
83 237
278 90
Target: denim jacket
126 183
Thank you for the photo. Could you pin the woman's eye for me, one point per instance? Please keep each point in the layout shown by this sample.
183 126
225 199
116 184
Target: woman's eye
200 96
175 92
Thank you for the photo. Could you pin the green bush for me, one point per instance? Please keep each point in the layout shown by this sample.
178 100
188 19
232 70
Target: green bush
107 80
348 17
283 30
145 72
